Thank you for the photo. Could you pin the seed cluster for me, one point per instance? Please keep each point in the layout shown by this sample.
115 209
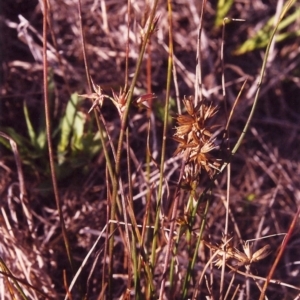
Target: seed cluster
236 258
195 140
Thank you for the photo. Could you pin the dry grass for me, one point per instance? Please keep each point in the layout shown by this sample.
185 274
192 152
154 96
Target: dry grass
156 192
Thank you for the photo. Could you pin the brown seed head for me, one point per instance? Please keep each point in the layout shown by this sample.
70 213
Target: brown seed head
195 138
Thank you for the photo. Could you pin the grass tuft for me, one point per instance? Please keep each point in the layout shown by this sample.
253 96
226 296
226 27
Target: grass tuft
125 188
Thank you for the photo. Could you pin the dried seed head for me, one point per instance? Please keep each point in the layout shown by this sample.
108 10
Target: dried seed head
236 257
259 254
96 96
145 24
119 101
145 100
194 137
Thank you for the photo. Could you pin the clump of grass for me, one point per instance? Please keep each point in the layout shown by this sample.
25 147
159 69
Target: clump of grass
140 224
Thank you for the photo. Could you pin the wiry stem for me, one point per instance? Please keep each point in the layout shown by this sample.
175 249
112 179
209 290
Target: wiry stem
49 138
262 73
121 138
163 151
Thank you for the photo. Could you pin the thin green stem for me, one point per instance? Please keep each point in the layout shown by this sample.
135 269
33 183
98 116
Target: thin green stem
130 249
139 245
173 260
262 73
163 152
291 228
193 261
121 138
6 272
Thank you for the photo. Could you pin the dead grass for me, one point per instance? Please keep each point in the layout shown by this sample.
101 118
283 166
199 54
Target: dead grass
264 189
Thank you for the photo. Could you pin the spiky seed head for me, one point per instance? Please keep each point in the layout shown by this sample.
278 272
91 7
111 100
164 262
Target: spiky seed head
194 137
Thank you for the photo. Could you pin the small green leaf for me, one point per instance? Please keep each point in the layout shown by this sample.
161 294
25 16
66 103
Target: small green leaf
30 130
19 139
78 130
261 38
41 139
66 126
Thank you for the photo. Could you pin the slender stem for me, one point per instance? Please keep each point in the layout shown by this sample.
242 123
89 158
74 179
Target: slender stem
4 271
193 261
163 152
262 73
130 249
280 253
198 81
112 175
88 78
127 44
146 235
49 138
228 166
121 139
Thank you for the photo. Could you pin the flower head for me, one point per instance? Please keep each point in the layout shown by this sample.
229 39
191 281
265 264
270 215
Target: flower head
194 137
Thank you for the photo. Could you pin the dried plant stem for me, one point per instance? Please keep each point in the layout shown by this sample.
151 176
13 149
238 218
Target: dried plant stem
225 229
169 246
198 81
173 260
101 129
4 270
22 187
149 150
57 53
163 151
121 139
181 230
113 177
255 277
130 197
127 44
195 255
229 287
223 67
233 107
166 115
88 78
70 287
138 238
148 176
6 273
280 253
228 166
49 138
207 265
